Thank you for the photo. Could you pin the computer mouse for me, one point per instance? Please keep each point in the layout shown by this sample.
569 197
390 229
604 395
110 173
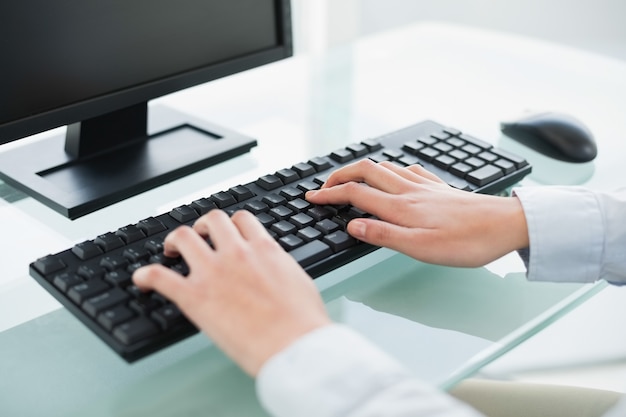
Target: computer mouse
556 135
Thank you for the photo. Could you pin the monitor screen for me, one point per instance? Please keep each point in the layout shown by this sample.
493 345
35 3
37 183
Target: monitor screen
94 66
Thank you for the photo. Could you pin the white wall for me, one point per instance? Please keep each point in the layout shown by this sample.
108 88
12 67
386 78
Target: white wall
596 25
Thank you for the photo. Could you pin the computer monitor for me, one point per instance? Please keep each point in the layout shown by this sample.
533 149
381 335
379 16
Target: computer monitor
93 66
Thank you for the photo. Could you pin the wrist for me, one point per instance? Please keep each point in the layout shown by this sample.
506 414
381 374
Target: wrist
515 225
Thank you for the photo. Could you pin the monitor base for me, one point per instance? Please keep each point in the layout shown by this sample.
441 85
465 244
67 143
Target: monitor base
76 187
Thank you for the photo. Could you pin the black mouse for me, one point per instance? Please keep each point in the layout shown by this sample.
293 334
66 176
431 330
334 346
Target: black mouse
555 135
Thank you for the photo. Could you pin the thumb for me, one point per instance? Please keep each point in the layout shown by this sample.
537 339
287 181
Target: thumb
379 233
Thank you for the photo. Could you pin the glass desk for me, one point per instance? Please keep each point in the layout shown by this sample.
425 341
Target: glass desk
443 323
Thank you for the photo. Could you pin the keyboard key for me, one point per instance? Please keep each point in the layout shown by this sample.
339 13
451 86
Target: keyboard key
357 149
379 157
265 219
428 140
309 233
475 141
516 159
184 214
291 192
203 205
66 281
302 220
487 156
283 228
241 193
458 154
342 155
168 316
154 246
109 241
290 242
311 252
274 200
443 147
281 212
118 278
412 147
320 163
135 330
339 240
136 254
287 175
223 199
144 304
505 165
113 262
408 160
484 175
303 169
474 162
308 186
456 142
326 226
299 205
460 169
443 135
428 153
472 149
48 264
269 182
256 207
114 316
99 303
452 131
91 271
81 292
444 161
130 233
86 250
151 226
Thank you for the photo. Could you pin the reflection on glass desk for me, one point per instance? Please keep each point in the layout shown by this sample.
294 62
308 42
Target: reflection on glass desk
431 318
443 323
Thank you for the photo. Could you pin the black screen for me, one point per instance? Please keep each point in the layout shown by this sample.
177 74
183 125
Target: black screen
57 53
95 65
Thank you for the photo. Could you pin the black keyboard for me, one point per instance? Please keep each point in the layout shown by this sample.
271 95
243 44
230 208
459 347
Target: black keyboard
93 278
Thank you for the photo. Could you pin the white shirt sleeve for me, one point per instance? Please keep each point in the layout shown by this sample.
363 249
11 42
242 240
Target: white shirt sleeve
335 372
576 234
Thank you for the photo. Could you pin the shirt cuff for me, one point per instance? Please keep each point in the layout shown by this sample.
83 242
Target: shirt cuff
565 231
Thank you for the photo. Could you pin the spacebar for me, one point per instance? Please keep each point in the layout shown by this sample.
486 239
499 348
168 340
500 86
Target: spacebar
311 252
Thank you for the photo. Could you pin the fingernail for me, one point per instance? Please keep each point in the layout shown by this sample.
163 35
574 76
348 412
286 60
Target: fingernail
357 228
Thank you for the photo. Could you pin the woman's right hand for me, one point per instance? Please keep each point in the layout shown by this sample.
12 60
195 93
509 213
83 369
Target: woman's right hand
423 217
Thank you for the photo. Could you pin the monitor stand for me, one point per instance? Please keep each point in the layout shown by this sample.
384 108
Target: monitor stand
104 160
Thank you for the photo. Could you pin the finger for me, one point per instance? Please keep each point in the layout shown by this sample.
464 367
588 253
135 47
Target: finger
162 280
219 228
413 173
373 201
381 233
369 172
186 242
423 172
248 225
